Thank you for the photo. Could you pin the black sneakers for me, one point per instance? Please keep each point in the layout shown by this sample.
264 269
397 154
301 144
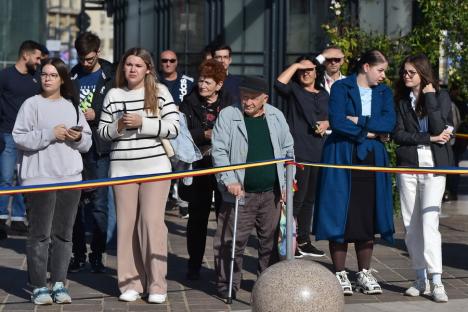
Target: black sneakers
307 249
3 229
76 265
18 228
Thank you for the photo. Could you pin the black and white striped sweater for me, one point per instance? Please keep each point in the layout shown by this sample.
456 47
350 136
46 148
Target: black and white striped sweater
138 151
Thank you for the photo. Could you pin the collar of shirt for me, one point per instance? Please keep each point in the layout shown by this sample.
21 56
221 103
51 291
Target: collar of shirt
413 100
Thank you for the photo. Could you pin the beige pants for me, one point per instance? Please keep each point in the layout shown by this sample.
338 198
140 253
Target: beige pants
142 236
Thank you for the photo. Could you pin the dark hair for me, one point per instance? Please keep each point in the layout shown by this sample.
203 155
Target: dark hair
332 47
319 70
221 46
212 69
372 57
423 67
44 50
29 46
151 80
87 42
67 89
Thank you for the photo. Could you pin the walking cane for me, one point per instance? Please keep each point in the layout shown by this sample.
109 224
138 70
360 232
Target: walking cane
233 251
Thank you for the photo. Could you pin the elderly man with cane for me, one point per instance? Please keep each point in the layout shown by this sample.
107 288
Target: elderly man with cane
256 131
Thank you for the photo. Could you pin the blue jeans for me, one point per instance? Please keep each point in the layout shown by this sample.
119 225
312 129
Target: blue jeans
93 207
7 175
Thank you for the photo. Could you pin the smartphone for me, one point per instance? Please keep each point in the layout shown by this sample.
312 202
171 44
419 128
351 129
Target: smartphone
77 128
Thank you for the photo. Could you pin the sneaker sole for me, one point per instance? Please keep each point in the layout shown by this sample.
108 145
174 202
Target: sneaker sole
43 303
311 254
369 292
347 292
63 302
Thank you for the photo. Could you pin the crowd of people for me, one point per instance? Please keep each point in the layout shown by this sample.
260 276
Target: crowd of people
98 122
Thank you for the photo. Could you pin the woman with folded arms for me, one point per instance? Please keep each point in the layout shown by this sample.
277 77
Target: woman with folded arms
353 206
136 116
424 126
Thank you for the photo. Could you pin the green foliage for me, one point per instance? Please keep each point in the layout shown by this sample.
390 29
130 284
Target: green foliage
426 37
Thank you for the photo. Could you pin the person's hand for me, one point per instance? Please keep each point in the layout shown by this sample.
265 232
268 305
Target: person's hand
72 135
60 132
120 125
131 120
428 88
322 127
354 119
301 66
235 189
90 114
384 137
371 135
283 196
442 138
208 134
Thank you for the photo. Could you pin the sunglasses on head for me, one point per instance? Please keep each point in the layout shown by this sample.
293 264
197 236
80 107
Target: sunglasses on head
168 60
334 59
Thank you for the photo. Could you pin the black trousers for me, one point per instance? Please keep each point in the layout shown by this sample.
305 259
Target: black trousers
199 211
304 200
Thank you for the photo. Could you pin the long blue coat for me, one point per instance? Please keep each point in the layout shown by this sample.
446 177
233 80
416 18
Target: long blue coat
334 187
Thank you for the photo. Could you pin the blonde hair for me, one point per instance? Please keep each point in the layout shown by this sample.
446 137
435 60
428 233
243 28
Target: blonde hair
151 80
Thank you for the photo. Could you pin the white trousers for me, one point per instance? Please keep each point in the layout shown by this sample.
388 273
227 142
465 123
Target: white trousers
421 198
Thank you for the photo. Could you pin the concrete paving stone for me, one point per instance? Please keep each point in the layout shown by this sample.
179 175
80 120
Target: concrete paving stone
83 307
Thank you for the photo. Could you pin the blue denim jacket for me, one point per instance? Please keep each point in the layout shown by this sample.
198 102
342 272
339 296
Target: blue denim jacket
230 145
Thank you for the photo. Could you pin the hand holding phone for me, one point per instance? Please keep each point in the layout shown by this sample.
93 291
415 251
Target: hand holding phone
77 128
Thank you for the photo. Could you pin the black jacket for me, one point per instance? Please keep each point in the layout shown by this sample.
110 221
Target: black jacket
104 84
191 107
408 137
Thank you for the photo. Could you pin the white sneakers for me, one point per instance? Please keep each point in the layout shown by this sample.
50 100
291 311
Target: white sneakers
439 294
129 295
344 282
367 283
419 287
157 298
423 287
132 295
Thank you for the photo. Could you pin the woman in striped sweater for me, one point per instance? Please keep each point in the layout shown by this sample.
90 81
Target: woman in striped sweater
136 116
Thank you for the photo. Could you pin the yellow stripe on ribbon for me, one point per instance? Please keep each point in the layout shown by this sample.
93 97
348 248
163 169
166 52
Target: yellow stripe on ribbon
461 136
407 170
133 179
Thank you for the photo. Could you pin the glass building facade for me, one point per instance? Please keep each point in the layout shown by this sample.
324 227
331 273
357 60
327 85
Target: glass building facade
265 35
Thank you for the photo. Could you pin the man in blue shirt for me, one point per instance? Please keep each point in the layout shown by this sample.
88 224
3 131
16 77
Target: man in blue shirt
179 86
17 83
93 78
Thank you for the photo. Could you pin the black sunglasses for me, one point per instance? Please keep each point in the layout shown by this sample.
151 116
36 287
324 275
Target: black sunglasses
168 60
334 59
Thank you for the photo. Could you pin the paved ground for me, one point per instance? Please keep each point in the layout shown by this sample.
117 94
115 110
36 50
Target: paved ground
98 292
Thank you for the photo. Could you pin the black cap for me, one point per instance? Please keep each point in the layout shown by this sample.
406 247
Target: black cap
254 84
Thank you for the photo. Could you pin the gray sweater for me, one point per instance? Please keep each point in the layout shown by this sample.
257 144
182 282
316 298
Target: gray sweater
41 158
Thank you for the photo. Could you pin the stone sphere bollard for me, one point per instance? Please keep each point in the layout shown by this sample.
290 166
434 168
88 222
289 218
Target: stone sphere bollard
297 285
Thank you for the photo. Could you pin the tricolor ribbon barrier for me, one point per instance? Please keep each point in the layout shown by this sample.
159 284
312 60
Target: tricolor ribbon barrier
289 163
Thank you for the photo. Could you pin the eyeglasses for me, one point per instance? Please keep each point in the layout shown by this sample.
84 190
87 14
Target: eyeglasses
334 59
409 73
90 59
52 76
168 60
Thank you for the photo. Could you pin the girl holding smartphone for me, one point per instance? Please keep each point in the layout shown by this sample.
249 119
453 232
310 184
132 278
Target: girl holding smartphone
424 126
50 133
136 116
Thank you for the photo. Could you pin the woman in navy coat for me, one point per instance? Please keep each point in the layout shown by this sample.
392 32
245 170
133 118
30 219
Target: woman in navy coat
352 206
